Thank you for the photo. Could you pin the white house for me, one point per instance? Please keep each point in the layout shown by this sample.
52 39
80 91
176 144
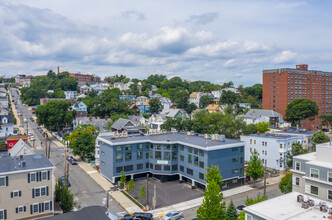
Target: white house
20 148
216 94
156 120
141 99
71 94
195 97
7 125
99 87
166 102
254 116
80 106
4 102
271 147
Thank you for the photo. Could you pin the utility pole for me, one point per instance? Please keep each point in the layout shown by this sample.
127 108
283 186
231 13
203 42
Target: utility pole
67 172
64 165
49 150
147 192
46 143
265 179
154 196
108 198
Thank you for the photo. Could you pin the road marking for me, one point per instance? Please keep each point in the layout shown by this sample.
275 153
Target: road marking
93 171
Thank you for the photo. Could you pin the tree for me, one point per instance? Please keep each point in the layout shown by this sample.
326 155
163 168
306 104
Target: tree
231 211
155 105
142 192
123 178
205 101
251 201
319 138
131 185
263 127
190 108
297 149
242 216
229 97
55 115
327 120
300 109
63 196
285 184
212 206
255 168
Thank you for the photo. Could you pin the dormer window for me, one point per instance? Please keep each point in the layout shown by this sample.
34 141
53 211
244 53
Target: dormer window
5 120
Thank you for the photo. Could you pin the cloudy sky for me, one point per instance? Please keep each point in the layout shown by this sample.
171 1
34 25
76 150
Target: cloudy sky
210 40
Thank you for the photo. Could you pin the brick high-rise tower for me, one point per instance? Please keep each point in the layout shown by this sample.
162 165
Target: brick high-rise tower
281 86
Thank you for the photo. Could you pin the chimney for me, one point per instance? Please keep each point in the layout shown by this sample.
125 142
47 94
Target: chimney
258 132
106 118
58 69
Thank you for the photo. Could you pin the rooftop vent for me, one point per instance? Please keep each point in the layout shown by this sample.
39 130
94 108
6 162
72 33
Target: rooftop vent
23 164
173 130
21 157
207 136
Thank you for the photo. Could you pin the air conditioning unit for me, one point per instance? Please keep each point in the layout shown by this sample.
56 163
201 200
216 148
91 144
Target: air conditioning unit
222 138
300 198
305 205
323 208
311 202
206 136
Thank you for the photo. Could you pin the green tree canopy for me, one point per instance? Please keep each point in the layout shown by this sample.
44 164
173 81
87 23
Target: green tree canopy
285 185
263 127
231 211
320 137
300 109
63 196
205 101
155 105
229 97
55 115
255 168
297 149
258 199
327 120
82 140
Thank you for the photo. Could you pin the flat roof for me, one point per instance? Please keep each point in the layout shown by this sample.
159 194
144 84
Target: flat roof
87 213
272 136
286 207
195 141
34 161
308 156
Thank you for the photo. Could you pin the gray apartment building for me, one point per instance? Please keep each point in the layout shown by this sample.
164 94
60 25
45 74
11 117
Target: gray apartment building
26 187
170 156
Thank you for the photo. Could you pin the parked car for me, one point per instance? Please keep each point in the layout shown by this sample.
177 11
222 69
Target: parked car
173 215
63 181
69 158
239 209
142 216
31 118
73 161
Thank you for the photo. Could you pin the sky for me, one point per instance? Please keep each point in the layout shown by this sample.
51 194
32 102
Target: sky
212 40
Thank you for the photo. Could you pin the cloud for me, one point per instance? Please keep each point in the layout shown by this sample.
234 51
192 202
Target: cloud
285 56
203 18
133 15
229 63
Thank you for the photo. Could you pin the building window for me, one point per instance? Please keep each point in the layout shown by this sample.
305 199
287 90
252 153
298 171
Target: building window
174 167
128 168
44 175
151 166
33 177
201 153
158 147
147 155
47 206
167 167
181 147
167 155
157 167
119 169
140 147
35 208
140 166
190 171
195 160
280 146
195 151
235 170
157 155
254 141
329 194
15 194
119 148
174 155
2 214
128 156
314 173
139 155
297 165
102 163
235 149
2 181
182 158
19 209
201 176
201 164
314 190
241 159
181 168
151 146
128 147
41 191
250 141
102 153
297 181
118 157
190 149
236 159
151 154
167 147
329 177
175 147
190 158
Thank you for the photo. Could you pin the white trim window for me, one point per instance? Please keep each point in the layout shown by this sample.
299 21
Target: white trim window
2 214
297 165
20 209
35 208
329 177
297 181
44 175
2 181
33 177
16 193
314 190
249 217
329 194
40 191
314 173
47 206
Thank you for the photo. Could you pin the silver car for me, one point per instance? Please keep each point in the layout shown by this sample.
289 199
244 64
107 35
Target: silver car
173 215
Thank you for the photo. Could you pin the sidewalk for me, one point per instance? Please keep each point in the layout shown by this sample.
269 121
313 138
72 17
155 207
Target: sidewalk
118 196
227 193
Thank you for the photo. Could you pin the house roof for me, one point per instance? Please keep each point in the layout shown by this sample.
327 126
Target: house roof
34 161
212 107
120 123
16 137
134 118
9 117
96 122
260 112
146 102
194 94
19 146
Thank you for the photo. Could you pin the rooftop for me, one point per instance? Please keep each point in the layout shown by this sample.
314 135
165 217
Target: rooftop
286 207
255 113
273 136
87 213
35 161
195 140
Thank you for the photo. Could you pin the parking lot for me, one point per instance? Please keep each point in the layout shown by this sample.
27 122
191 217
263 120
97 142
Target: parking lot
168 193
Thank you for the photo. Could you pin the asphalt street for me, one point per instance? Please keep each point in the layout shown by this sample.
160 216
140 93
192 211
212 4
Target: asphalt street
85 190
